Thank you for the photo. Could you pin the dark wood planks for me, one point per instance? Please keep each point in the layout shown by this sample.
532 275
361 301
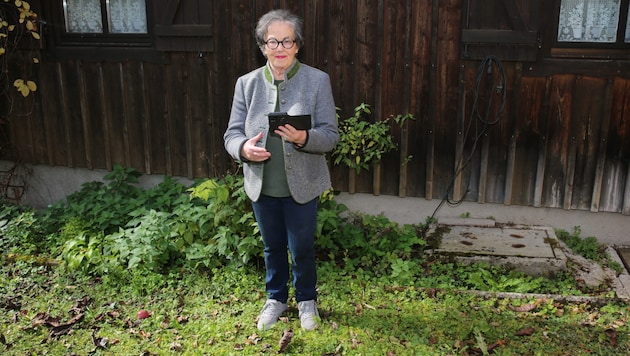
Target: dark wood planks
564 140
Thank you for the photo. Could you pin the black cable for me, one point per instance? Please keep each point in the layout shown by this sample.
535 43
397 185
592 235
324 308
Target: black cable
481 122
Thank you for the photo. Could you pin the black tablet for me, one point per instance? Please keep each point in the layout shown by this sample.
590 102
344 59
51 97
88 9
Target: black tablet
300 122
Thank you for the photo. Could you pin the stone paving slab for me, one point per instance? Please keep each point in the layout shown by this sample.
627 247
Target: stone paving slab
530 249
534 250
498 241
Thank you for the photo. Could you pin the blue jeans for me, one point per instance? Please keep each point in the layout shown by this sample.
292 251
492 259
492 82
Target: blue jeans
285 224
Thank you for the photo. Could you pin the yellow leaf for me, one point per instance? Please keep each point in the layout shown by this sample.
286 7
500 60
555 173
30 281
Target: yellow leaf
2 50
18 82
29 25
35 60
31 85
358 159
24 90
12 27
18 3
35 35
26 5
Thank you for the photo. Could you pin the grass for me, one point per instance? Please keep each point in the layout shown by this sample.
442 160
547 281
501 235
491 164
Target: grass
380 294
46 311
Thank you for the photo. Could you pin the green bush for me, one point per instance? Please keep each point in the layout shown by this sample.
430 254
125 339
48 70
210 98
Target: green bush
107 207
363 143
20 230
117 229
587 247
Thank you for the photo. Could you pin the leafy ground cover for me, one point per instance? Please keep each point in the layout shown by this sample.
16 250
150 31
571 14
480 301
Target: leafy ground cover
116 269
47 312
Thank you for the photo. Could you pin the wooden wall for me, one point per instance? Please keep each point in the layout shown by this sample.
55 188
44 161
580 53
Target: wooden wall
561 141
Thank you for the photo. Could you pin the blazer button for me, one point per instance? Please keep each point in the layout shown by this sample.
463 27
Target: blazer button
283 101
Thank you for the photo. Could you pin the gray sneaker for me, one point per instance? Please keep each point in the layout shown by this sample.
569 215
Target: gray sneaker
270 313
308 314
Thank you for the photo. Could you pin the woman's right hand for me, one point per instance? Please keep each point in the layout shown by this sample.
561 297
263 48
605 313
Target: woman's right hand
254 153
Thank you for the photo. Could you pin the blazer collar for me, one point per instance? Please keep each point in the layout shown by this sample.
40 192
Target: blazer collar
289 74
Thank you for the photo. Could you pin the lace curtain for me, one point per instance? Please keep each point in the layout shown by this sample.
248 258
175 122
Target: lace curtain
127 16
83 16
124 16
589 21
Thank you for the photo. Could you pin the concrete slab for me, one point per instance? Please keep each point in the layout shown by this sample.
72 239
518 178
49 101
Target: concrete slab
622 287
533 250
608 227
624 254
497 241
468 222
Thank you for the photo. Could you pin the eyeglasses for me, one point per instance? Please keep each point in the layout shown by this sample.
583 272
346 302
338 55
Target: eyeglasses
274 43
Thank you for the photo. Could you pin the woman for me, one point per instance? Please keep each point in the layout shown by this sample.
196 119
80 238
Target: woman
285 171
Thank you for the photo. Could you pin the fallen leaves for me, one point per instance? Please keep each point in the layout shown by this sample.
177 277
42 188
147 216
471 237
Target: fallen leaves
360 307
396 320
526 331
287 335
143 314
99 342
56 327
612 336
528 307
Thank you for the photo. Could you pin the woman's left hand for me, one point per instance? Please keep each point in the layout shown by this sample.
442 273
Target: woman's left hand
291 134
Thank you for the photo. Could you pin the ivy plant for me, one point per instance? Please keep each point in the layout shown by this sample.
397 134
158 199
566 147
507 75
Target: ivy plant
363 143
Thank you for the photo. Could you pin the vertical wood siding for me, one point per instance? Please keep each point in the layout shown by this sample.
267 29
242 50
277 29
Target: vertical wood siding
562 142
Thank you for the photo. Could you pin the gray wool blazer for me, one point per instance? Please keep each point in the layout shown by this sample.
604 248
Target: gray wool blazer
305 90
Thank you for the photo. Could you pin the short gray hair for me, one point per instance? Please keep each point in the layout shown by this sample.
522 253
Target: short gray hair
274 16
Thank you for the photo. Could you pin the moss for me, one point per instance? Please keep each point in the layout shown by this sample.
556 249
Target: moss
434 238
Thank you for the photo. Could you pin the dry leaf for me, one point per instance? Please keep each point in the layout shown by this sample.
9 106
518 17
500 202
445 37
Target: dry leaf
525 307
253 339
612 336
559 312
493 346
176 346
526 331
99 342
287 335
355 340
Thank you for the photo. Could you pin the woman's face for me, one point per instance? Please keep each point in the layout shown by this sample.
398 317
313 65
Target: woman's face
281 58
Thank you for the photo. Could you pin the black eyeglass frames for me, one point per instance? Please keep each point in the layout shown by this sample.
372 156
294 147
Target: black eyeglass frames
273 43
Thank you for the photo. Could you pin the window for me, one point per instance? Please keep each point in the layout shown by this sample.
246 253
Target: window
593 21
108 30
105 16
587 29
102 23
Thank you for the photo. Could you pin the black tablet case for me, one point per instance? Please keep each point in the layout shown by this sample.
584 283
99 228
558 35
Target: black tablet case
300 122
